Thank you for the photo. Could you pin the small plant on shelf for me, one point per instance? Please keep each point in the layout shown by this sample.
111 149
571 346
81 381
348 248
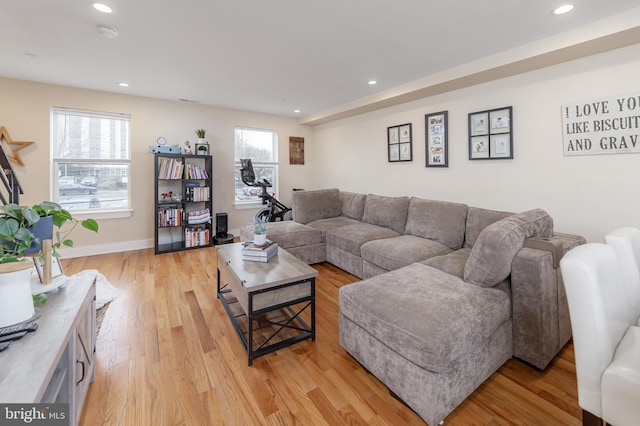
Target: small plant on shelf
201 133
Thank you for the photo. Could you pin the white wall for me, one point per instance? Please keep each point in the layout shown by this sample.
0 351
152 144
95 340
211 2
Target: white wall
25 112
587 195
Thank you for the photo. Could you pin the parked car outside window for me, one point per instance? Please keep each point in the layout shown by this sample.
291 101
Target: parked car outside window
89 180
68 179
75 188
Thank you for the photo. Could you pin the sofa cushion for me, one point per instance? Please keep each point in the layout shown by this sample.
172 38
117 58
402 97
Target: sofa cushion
313 205
451 263
477 220
286 233
325 225
390 212
491 256
429 317
394 253
351 237
352 204
440 221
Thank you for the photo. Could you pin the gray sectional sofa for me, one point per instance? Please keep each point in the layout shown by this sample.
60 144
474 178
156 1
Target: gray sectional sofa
448 292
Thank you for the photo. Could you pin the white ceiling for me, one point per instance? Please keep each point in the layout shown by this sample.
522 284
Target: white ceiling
271 56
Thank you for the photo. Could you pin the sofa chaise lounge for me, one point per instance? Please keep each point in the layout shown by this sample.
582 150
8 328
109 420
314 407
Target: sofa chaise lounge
448 292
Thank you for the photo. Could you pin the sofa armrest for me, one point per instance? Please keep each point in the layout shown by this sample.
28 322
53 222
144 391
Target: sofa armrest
552 245
541 324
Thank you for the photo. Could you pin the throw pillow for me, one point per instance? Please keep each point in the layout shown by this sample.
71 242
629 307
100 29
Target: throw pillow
490 259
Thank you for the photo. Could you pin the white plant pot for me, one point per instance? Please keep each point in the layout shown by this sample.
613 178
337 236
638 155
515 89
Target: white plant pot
259 239
16 302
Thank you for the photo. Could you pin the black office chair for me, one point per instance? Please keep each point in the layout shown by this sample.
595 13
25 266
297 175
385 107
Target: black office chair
274 210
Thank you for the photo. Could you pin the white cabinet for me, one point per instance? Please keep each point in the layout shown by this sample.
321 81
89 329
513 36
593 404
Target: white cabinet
55 364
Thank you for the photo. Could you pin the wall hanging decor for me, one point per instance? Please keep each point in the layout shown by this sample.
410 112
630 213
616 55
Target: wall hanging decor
436 143
296 150
491 134
399 145
602 126
14 146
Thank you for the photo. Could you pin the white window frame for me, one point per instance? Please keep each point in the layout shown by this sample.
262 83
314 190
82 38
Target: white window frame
255 203
96 213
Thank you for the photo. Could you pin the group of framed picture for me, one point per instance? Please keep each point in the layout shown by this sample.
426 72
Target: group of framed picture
490 137
399 143
490 134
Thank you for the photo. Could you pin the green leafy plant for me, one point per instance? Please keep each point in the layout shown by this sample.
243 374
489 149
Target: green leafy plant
40 299
259 226
202 148
201 133
16 222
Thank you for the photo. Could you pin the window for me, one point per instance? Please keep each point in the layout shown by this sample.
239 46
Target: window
261 146
91 154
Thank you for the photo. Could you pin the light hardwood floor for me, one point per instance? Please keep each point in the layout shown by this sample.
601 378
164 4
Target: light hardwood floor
167 355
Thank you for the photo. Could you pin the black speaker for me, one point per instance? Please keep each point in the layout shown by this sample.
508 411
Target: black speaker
221 225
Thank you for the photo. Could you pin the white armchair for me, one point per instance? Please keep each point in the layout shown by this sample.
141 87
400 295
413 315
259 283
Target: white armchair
607 347
626 244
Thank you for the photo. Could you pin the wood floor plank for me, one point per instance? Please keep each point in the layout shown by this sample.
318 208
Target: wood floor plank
168 355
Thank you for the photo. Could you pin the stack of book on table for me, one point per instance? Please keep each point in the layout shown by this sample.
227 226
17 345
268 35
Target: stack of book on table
262 253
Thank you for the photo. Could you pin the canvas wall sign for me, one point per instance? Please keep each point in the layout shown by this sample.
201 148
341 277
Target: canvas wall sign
602 126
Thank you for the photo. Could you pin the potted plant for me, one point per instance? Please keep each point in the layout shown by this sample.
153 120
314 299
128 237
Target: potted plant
202 149
201 133
259 231
17 237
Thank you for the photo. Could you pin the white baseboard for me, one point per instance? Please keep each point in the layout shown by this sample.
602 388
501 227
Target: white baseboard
105 248
114 247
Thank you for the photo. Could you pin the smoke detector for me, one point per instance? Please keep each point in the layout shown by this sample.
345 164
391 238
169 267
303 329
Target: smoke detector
107 32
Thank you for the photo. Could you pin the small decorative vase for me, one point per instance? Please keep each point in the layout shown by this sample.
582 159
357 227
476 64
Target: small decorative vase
16 302
259 239
201 141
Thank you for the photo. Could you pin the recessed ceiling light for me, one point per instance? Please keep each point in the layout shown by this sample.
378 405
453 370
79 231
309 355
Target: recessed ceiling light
372 82
123 84
101 7
563 9
296 111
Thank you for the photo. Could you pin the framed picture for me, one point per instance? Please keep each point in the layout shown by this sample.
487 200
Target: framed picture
56 267
491 134
436 139
296 150
399 144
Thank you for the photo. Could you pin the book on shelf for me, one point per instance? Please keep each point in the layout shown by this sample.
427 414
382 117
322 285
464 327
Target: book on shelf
196 237
195 172
254 258
169 216
170 168
197 193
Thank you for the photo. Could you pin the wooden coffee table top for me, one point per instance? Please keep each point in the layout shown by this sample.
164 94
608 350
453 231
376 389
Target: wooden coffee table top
281 269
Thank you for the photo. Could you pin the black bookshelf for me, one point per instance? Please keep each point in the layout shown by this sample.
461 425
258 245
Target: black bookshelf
183 204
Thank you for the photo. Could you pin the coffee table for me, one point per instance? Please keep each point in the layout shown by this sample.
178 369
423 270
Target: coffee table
264 301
